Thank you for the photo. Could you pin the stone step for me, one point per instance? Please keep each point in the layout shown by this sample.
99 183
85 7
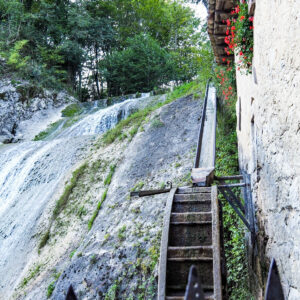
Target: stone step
191 206
191 217
197 196
190 252
192 190
190 234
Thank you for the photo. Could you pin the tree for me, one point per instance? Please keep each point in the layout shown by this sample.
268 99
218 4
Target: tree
142 66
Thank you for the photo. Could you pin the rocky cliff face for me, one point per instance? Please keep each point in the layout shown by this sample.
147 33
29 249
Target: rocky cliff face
20 101
118 257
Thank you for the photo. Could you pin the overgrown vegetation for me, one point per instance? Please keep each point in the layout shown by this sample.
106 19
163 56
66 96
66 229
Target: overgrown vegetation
227 164
136 119
51 286
108 178
62 202
72 110
32 274
96 48
95 214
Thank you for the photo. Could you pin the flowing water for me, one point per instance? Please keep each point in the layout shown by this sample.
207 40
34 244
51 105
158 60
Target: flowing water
30 175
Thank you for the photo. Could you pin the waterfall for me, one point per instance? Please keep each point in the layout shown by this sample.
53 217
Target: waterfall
30 174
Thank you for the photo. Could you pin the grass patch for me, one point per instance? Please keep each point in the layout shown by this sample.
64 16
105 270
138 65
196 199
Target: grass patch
44 239
63 200
185 89
136 119
32 274
43 134
51 286
138 186
156 123
108 178
71 110
95 214
121 233
71 121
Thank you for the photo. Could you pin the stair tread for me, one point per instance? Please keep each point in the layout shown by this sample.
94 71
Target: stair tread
199 258
182 287
192 213
189 247
191 223
207 296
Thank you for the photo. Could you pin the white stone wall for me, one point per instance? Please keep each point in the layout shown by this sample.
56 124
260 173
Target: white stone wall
269 139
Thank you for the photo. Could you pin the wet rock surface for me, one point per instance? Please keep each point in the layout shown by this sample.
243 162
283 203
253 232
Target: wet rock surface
119 256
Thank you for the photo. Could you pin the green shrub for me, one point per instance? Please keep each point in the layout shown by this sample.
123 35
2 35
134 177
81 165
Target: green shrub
71 110
95 214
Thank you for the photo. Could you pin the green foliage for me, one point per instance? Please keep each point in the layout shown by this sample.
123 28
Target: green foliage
64 198
93 259
121 233
44 239
107 180
50 129
32 274
112 292
186 89
62 202
95 214
15 57
138 186
227 164
141 66
156 123
137 118
72 110
72 253
50 289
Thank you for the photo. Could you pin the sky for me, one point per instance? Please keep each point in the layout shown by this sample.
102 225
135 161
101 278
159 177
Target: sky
199 9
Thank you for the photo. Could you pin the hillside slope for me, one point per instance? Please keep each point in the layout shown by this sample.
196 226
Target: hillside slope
118 257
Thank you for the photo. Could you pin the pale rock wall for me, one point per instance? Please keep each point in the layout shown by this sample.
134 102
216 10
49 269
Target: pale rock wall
269 139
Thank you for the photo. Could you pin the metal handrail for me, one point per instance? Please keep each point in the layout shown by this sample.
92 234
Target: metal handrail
199 145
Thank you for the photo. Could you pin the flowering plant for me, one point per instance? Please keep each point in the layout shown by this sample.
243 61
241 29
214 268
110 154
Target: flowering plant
225 80
239 36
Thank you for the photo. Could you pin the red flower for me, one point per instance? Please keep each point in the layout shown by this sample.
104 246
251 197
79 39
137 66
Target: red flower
251 49
228 22
230 88
233 28
242 17
251 19
241 53
224 59
251 27
237 9
227 32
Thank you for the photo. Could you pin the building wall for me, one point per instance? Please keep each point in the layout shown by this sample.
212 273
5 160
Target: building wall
269 137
